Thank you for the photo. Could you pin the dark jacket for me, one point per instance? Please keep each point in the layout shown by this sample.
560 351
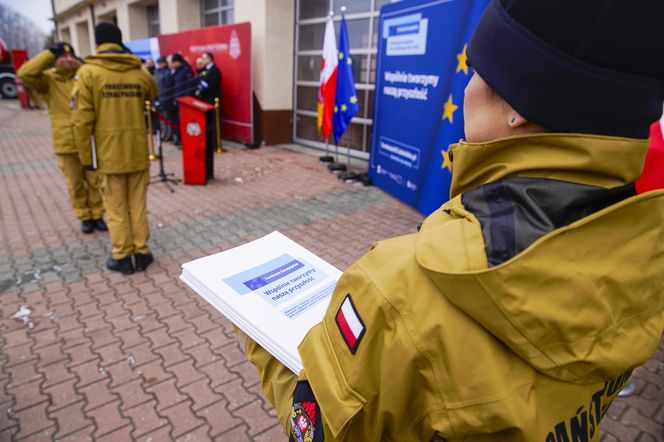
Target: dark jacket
209 84
182 84
164 82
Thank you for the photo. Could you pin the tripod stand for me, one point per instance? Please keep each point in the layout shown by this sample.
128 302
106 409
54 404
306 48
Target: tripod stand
162 176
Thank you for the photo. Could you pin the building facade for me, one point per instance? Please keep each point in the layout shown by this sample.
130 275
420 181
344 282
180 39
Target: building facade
287 42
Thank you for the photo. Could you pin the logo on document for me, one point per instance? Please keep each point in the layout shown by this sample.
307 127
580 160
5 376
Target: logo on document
406 35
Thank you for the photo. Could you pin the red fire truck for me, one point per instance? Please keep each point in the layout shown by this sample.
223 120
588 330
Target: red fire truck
7 76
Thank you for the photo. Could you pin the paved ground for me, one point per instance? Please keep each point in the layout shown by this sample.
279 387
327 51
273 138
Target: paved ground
108 357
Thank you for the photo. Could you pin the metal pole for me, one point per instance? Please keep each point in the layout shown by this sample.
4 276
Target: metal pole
216 120
148 109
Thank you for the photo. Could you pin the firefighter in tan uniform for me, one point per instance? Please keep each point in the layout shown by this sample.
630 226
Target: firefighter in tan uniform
51 74
108 102
521 307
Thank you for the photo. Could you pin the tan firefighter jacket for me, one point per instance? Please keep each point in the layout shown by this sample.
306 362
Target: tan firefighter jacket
516 313
55 86
108 107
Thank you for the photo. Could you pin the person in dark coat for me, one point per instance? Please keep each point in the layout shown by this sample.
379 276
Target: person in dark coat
182 76
209 88
162 76
209 84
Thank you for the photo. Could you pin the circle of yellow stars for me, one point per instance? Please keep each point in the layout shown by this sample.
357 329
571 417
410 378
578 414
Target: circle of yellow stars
449 107
353 99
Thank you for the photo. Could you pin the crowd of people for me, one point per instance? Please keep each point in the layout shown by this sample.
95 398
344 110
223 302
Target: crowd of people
176 78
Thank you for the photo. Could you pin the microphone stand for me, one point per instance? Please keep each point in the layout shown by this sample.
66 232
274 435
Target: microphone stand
162 176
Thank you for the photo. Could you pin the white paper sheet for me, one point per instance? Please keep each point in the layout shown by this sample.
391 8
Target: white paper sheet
272 288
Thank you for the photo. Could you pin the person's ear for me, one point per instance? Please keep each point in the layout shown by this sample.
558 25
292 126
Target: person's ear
515 120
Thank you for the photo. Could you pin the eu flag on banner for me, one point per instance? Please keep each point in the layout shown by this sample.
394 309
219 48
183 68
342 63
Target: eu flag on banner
345 100
421 73
435 189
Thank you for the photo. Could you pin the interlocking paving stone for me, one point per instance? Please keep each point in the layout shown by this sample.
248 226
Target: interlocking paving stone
109 357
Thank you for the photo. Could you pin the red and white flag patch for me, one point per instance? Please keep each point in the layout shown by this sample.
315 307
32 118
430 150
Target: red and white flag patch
350 324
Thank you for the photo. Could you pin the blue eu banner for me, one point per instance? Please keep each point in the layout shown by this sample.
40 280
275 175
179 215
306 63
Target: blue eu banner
345 100
421 75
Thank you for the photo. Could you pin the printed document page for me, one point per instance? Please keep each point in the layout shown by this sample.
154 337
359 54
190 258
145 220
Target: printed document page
272 288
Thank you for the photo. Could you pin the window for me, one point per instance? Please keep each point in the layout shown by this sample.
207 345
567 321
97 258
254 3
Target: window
361 21
153 20
216 12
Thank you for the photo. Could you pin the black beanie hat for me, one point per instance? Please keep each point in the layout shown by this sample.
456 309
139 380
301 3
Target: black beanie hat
578 66
107 33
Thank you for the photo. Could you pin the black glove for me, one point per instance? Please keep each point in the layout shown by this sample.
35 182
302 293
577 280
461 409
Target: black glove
60 48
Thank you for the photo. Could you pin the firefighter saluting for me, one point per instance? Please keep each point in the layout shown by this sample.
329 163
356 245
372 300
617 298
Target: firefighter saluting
51 74
108 101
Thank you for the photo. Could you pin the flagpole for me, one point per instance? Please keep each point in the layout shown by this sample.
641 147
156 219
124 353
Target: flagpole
327 158
337 167
349 176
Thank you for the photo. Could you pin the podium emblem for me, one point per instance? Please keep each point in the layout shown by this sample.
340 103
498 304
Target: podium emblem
193 129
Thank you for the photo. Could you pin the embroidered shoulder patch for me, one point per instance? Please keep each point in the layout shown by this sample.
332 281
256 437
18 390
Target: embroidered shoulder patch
350 324
306 423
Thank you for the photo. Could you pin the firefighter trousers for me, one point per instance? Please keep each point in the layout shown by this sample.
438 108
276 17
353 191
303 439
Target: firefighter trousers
82 187
125 199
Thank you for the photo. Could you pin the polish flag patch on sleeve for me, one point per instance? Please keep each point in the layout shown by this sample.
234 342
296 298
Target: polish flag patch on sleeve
350 324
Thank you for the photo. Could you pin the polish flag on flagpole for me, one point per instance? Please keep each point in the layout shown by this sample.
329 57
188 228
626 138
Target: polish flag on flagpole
328 80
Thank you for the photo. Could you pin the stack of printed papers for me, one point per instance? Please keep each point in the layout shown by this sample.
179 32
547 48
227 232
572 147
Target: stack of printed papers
272 288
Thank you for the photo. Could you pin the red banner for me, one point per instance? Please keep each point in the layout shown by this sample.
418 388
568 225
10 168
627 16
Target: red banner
231 47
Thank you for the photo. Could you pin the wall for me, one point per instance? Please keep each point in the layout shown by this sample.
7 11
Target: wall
82 38
272 35
179 15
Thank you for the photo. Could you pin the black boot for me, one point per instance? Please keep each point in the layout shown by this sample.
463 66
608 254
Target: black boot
123 265
143 261
100 224
87 226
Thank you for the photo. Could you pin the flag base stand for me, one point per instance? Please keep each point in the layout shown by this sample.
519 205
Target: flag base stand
326 159
336 167
349 177
364 179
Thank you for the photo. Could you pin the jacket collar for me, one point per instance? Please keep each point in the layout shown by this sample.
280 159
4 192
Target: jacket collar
586 159
112 48
65 73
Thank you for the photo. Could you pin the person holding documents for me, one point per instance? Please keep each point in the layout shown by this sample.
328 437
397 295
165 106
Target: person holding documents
51 74
521 307
108 102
